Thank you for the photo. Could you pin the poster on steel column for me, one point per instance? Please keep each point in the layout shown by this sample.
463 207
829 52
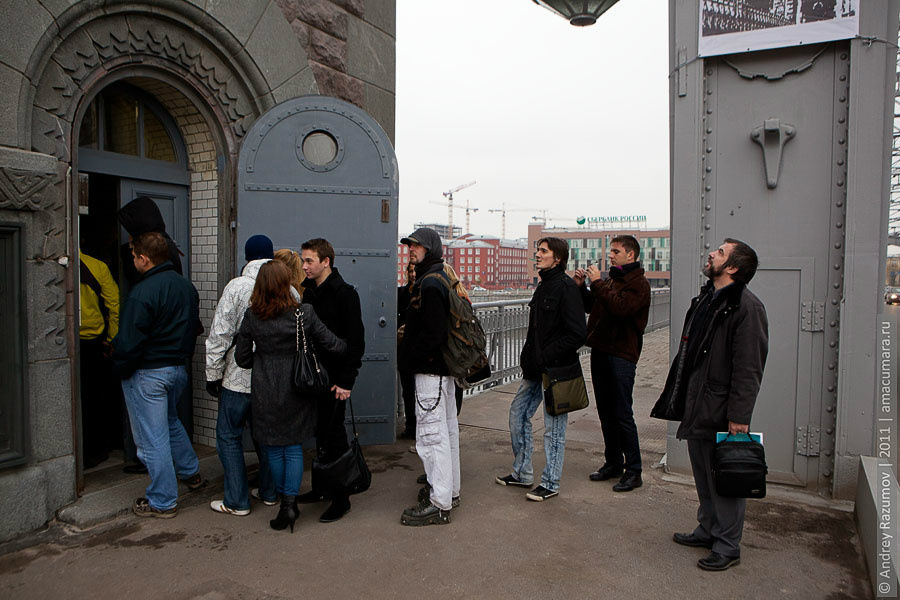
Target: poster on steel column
729 26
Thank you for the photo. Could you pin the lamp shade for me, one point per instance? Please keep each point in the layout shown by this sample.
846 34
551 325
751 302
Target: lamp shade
578 12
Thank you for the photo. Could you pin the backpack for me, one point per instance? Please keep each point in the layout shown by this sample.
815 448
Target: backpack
464 350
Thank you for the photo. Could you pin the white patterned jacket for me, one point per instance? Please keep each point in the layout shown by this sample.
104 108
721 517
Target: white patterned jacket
226 322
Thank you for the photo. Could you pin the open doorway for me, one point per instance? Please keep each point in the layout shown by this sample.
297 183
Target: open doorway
129 146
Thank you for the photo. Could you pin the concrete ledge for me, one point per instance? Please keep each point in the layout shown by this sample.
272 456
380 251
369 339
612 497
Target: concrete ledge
877 517
110 502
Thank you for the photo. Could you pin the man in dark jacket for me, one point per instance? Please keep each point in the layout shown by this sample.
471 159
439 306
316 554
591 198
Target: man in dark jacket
712 386
425 335
156 335
618 307
556 330
337 305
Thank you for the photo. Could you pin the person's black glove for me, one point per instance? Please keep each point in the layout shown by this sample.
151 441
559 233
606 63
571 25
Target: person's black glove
214 388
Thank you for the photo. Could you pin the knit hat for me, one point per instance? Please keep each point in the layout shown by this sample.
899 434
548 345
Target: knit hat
257 247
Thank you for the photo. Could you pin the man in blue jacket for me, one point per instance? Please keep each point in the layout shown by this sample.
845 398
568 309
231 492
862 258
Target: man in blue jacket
556 330
157 330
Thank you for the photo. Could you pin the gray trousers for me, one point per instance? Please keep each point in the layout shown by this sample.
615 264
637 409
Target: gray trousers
720 519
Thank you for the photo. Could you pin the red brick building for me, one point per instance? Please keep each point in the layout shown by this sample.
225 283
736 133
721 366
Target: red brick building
481 260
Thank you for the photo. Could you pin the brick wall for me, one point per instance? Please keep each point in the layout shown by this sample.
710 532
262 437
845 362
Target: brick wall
204 251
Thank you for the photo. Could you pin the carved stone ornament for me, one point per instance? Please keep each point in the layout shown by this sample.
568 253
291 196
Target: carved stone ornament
19 190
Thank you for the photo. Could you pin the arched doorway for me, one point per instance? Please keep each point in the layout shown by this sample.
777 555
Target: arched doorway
129 145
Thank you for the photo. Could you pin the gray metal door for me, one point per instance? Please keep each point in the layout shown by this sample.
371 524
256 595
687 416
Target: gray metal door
757 105
172 201
316 166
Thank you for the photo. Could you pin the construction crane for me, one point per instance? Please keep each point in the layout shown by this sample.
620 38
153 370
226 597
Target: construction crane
503 210
468 208
449 196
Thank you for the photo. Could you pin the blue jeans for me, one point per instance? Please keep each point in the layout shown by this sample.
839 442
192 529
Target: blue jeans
286 466
151 396
613 380
523 407
234 414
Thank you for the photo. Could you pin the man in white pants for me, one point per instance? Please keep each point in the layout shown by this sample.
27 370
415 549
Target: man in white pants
425 334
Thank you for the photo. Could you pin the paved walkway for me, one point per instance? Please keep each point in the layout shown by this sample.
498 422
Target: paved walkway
587 543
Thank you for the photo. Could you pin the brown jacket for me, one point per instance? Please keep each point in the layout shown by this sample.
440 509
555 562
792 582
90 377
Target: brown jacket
619 308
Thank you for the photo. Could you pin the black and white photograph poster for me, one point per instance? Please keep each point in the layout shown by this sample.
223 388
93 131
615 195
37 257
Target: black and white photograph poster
729 26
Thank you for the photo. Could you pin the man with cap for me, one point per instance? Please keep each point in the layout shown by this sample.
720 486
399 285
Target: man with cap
230 383
437 429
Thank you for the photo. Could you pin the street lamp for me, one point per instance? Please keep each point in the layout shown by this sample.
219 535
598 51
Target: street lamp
578 12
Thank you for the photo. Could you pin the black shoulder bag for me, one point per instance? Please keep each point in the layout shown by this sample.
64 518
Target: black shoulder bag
739 468
309 375
347 474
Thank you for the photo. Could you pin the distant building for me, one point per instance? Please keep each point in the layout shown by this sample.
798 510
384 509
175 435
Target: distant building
480 260
893 271
591 246
442 230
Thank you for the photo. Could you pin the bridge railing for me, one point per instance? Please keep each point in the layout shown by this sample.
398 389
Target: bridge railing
505 324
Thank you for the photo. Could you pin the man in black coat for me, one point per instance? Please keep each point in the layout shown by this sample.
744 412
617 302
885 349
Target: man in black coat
712 386
556 330
421 353
337 304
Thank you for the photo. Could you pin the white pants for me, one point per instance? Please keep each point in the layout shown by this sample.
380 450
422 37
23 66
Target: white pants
437 436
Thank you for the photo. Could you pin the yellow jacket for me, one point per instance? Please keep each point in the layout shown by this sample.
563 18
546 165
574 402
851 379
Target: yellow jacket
91 319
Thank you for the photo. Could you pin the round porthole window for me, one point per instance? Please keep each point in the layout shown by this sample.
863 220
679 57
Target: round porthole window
319 148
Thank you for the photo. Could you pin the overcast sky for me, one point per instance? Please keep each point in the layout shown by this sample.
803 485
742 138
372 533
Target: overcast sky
543 115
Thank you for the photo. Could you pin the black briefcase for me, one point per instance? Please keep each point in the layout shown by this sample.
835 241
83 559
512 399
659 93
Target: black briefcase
739 468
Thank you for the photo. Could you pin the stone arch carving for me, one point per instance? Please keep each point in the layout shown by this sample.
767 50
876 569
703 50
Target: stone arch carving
237 79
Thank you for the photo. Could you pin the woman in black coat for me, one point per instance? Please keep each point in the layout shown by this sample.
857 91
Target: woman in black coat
267 343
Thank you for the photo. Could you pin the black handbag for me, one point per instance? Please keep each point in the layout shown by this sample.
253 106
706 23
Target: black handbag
739 468
564 389
309 375
347 474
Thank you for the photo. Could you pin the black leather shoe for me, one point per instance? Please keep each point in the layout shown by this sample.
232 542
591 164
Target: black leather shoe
606 472
629 481
338 509
689 539
310 497
717 562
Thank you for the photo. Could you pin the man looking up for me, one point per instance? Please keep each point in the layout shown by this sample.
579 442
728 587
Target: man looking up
618 307
556 330
157 330
420 353
337 304
230 383
712 386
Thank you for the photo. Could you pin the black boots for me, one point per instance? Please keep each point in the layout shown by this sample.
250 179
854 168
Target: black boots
287 514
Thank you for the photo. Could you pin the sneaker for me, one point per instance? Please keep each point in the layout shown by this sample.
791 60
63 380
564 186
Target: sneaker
141 507
540 493
511 480
219 506
255 493
425 513
195 481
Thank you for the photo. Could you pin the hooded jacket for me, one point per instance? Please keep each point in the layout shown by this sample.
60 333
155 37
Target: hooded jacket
720 381
425 333
159 322
220 362
619 308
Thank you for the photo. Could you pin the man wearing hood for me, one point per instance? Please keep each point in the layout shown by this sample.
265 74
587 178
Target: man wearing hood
556 330
230 383
142 215
618 307
437 429
337 304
